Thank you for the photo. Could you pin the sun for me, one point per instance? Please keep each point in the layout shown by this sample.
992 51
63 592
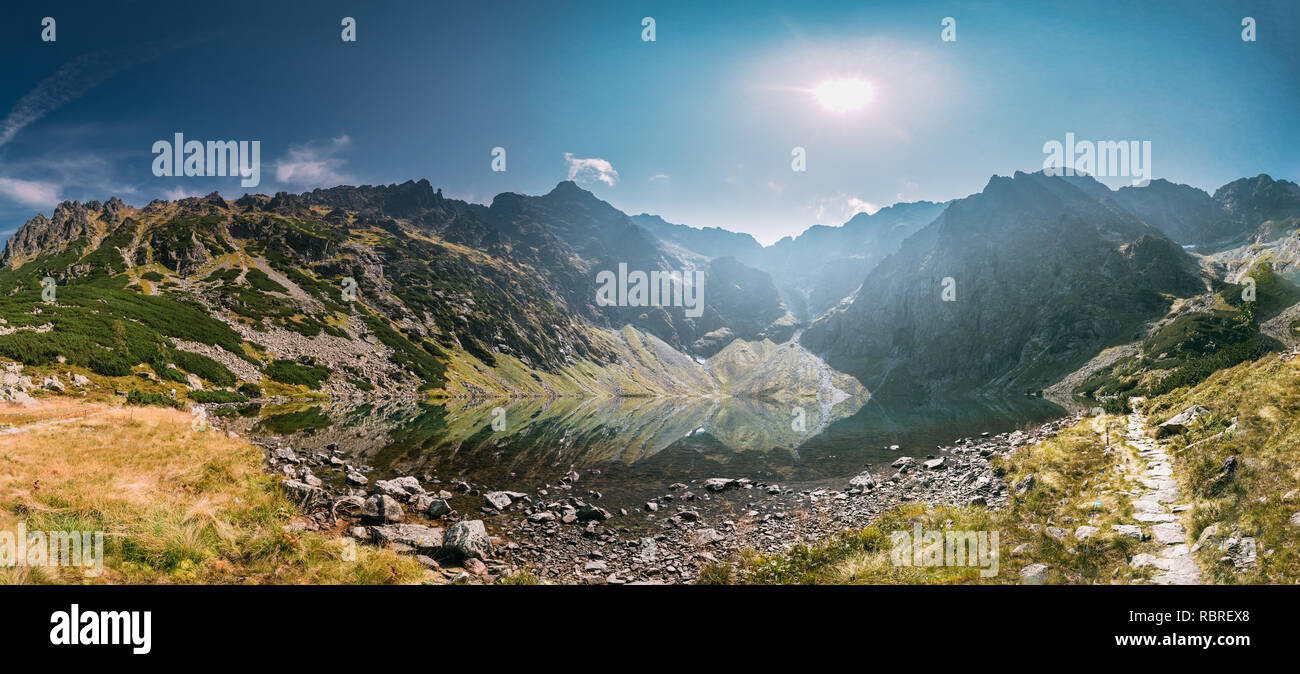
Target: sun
844 95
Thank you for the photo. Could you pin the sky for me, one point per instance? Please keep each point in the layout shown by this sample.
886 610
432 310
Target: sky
698 126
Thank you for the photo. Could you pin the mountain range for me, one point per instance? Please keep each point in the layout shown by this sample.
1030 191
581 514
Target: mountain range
353 289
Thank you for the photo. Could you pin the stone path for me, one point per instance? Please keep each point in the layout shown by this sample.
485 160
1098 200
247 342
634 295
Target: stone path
1154 506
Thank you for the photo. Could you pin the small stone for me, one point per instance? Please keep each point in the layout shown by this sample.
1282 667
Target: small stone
497 499
1132 531
705 536
718 483
437 508
1034 574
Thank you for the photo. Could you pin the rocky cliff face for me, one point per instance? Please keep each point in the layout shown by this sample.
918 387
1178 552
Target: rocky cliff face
1040 276
1185 214
1271 207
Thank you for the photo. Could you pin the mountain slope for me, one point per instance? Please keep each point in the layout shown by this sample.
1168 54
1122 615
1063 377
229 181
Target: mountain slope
1045 276
360 288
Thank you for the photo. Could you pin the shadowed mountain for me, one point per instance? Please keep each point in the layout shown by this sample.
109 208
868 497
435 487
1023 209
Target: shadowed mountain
1042 276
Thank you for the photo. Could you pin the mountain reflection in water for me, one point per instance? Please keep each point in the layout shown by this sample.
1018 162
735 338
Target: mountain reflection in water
633 448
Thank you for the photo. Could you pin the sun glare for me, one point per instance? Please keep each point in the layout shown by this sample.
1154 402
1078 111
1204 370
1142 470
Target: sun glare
843 95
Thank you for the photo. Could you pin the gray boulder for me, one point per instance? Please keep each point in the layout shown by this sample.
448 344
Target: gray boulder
382 507
468 539
308 497
1180 422
437 508
426 540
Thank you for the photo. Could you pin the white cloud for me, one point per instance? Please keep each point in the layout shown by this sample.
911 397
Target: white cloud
30 192
660 177
177 193
584 170
840 208
314 164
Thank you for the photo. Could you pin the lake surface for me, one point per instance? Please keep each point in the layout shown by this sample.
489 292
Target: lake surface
632 449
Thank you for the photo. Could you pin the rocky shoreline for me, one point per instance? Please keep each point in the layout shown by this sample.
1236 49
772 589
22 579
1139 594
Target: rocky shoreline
559 532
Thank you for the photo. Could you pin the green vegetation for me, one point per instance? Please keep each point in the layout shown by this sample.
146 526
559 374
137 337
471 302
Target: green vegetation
142 399
204 367
217 397
1074 483
182 507
1263 398
290 372
1195 345
423 361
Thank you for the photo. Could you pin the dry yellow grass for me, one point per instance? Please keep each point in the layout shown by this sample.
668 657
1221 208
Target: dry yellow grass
176 505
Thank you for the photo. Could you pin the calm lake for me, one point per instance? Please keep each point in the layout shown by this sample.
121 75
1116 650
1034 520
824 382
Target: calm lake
632 449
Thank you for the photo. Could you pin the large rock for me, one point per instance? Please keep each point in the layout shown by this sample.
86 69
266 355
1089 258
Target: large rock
722 483
468 539
862 481
382 507
396 488
588 513
426 540
52 383
308 497
1180 421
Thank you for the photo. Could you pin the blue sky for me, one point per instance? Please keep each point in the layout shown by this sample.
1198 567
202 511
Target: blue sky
699 125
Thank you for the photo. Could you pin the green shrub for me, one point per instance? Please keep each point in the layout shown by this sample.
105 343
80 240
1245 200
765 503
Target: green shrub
217 396
137 397
204 367
289 372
